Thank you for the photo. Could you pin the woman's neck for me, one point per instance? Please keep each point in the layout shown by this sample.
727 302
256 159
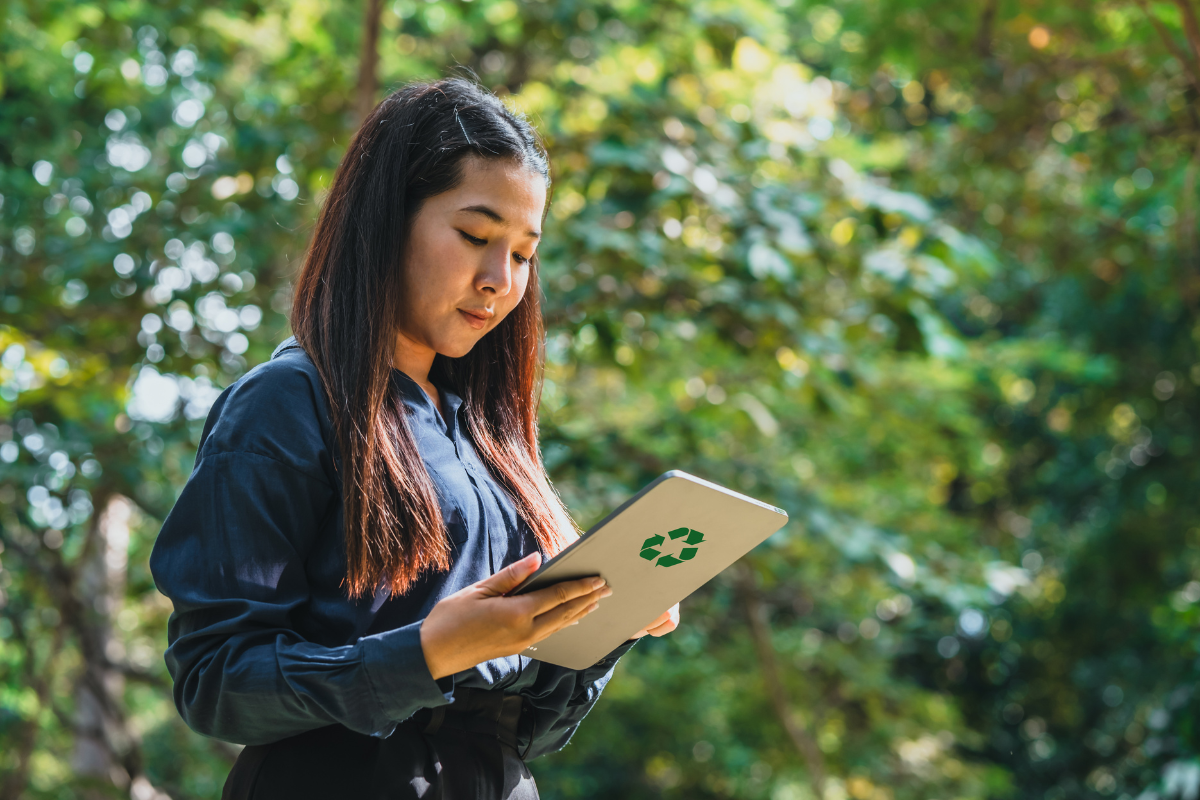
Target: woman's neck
416 360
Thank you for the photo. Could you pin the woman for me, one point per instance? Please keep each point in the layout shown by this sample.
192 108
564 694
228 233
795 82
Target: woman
361 503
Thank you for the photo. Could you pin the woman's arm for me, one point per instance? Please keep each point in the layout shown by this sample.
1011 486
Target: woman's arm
231 558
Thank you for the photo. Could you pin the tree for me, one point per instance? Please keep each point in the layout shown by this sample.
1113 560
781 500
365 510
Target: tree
922 275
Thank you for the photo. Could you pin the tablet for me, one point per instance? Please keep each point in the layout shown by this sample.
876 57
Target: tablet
664 543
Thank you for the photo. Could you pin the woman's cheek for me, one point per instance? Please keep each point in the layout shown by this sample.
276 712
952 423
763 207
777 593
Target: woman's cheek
520 284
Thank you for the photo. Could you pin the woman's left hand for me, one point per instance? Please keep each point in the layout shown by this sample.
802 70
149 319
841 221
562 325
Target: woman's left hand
667 622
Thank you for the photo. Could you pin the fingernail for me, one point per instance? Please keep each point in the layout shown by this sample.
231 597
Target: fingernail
606 593
597 582
593 607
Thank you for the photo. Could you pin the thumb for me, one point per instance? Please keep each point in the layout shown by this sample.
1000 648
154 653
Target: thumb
511 576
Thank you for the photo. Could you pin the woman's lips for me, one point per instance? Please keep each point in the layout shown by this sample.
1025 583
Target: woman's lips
475 320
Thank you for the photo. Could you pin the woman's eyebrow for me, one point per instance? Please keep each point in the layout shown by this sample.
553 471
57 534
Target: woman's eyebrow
495 217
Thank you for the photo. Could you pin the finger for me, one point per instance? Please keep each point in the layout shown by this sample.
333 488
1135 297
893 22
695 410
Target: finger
569 619
643 632
568 613
659 620
646 630
511 576
671 623
664 629
580 607
543 600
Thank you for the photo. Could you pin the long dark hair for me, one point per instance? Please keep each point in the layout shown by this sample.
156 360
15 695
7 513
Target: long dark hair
409 149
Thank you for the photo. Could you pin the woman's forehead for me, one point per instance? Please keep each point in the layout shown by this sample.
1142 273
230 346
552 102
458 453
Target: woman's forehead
501 190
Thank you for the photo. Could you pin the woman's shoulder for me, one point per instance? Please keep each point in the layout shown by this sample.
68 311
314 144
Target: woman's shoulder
276 410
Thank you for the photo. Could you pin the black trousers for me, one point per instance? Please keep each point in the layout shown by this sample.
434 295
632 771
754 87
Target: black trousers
465 751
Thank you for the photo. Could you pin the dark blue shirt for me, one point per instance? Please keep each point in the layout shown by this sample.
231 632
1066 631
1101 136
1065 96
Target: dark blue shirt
264 642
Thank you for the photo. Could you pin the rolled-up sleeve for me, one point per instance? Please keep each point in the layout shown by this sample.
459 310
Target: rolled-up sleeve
231 558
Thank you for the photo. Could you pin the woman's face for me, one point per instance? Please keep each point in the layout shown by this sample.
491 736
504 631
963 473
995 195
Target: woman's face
467 262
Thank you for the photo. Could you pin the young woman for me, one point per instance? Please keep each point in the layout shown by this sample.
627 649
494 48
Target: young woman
361 503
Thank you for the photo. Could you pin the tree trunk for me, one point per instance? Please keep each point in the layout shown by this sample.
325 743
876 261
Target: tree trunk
801 738
1187 217
15 782
106 748
368 64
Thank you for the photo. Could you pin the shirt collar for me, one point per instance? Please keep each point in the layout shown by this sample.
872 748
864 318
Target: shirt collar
420 403
414 396
289 343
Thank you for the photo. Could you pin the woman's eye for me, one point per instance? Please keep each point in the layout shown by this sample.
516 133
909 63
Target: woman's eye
475 240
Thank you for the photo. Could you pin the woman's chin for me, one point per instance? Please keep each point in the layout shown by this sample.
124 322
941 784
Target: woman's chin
456 349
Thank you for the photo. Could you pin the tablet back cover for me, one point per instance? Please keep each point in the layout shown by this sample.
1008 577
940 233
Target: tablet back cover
665 543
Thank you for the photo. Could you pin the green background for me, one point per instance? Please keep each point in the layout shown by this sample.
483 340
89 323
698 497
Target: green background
924 274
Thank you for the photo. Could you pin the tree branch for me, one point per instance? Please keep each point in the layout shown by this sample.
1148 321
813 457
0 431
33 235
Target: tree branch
1190 26
983 40
1187 224
138 674
801 738
1187 63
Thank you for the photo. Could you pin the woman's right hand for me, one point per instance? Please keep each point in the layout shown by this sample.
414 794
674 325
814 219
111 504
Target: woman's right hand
479 623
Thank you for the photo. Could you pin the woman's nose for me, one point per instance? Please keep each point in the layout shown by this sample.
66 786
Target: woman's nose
497 272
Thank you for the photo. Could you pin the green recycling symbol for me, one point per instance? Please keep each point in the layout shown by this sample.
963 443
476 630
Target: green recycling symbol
653 548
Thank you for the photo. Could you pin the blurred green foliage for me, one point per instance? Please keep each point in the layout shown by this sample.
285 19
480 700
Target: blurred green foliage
924 274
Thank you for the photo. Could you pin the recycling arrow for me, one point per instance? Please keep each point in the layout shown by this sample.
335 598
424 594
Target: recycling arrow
653 548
